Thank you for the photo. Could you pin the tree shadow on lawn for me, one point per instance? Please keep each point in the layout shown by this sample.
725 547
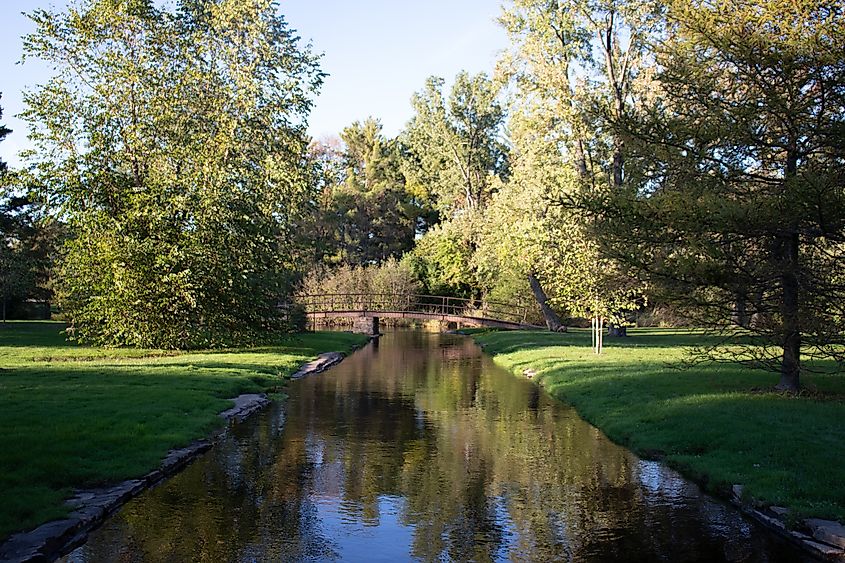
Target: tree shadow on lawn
29 334
508 341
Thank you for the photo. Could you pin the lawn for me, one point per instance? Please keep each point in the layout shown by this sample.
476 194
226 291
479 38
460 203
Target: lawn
719 424
79 417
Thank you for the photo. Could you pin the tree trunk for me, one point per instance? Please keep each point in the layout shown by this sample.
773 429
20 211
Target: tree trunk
787 259
739 317
618 166
553 321
617 331
791 335
580 160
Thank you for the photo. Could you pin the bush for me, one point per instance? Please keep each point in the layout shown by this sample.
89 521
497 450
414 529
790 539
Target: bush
354 286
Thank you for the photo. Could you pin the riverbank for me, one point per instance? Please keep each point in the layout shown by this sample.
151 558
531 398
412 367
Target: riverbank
74 417
719 424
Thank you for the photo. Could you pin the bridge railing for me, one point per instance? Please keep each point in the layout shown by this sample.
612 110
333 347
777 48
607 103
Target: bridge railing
413 303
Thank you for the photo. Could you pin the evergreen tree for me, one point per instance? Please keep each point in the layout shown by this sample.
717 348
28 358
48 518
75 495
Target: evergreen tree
370 214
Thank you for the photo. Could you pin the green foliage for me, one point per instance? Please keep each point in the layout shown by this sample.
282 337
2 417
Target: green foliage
709 421
455 150
362 283
3 132
91 416
443 258
366 214
561 146
173 144
736 205
28 244
454 143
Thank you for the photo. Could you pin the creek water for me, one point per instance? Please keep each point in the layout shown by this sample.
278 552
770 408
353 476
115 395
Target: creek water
418 447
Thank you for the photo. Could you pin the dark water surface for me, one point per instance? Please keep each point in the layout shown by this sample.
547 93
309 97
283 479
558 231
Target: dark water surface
419 447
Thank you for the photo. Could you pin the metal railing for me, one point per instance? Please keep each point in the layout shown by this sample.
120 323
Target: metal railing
413 303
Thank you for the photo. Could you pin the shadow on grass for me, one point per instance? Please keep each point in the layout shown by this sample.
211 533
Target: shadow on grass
93 416
33 334
637 338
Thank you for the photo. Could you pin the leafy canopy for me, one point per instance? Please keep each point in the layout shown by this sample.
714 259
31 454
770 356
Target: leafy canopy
172 140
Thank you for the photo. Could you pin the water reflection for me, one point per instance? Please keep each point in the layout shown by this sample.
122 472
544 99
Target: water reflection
421 448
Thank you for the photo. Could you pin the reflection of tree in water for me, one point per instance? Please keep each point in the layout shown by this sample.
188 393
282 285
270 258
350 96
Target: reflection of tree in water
247 498
488 467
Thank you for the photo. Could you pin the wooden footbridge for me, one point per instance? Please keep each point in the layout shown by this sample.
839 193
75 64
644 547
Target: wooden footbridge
372 306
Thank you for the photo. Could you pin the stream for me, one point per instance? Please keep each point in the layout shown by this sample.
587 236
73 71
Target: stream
418 447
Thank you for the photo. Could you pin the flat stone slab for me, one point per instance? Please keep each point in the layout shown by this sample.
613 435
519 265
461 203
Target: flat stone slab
827 531
323 362
245 405
822 549
827 541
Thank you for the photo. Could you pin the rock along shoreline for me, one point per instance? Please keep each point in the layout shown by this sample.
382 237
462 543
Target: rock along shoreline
823 539
91 507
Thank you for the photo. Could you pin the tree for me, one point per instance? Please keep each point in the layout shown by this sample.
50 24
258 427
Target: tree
739 176
455 144
443 258
454 152
173 143
520 227
14 271
573 64
28 245
3 132
368 211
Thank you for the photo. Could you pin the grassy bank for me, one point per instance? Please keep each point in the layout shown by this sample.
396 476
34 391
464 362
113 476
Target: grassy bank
78 417
716 423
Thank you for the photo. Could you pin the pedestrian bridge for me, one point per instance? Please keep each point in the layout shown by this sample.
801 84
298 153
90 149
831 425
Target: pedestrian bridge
465 312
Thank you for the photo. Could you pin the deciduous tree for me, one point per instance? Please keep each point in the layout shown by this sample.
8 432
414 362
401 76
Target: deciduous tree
456 142
173 142
573 65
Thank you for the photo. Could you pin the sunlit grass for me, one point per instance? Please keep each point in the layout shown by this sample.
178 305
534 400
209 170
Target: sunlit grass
78 417
718 423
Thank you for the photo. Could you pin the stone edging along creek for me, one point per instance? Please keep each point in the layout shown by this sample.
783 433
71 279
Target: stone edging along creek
824 539
92 507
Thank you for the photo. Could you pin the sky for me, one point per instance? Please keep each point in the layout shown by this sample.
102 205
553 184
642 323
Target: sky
377 54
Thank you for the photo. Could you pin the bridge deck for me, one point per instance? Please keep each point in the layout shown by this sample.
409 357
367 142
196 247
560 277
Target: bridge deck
422 315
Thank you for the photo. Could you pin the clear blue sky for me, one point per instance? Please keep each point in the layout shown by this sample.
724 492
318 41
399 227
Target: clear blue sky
377 52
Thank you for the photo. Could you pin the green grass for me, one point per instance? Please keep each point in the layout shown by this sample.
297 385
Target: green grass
79 417
719 424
